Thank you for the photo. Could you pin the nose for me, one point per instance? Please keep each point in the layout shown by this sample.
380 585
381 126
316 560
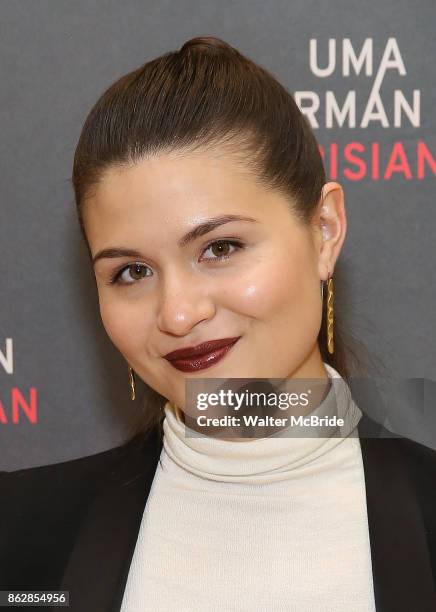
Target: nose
185 300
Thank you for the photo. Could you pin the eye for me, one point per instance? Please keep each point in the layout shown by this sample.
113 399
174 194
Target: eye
136 271
137 268
220 247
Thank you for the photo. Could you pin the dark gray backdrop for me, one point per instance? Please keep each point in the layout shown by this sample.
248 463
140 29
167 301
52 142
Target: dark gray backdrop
57 57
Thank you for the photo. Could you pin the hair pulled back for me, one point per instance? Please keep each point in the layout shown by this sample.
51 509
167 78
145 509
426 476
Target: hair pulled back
205 94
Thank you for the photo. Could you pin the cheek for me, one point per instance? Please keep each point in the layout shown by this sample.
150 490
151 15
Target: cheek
281 292
124 323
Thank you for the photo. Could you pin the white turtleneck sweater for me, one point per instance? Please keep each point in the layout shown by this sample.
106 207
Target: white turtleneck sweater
271 524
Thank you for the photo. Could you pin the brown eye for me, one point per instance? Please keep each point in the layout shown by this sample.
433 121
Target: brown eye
130 274
220 248
137 271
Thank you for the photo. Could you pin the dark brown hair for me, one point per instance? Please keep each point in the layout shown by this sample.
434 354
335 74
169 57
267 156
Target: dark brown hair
204 95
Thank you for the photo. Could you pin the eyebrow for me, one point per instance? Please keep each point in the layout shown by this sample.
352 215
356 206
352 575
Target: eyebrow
196 232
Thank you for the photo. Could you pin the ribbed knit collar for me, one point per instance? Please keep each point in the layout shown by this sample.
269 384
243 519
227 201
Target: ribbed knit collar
276 457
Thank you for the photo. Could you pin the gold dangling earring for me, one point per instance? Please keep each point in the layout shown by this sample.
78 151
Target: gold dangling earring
330 315
177 412
132 384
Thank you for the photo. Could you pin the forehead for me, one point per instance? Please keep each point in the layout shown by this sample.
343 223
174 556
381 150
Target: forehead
175 190
167 176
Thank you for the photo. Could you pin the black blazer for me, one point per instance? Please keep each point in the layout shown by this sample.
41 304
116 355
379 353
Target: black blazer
74 525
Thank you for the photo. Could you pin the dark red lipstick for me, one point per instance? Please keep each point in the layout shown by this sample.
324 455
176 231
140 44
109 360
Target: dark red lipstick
202 356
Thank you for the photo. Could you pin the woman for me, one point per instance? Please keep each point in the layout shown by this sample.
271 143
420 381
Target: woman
214 236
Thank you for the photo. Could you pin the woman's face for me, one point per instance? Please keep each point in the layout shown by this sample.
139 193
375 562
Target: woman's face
168 294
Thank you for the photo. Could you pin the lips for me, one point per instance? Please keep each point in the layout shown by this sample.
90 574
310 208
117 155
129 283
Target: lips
201 356
200 349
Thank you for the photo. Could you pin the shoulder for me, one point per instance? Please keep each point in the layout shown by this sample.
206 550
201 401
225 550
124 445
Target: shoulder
421 460
57 474
389 448
54 490
372 433
388 456
42 509
392 458
68 484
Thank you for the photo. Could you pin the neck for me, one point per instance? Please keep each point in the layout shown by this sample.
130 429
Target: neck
312 368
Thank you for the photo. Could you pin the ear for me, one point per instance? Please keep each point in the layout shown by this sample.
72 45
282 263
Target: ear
331 226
